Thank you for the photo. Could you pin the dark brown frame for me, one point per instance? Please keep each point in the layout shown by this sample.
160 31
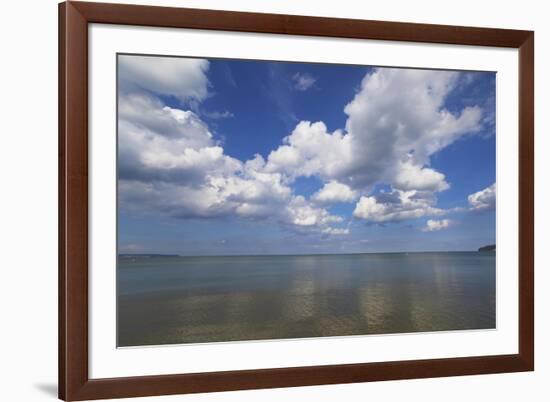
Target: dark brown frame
74 383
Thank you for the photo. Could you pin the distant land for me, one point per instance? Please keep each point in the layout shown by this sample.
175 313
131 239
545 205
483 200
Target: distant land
147 255
490 247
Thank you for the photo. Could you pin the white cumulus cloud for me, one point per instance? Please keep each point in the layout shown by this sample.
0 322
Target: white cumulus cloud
334 191
184 78
433 225
398 120
302 213
484 199
414 177
396 206
395 123
170 163
159 143
310 150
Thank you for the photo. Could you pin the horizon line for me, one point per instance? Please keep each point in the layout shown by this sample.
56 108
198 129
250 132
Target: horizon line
296 254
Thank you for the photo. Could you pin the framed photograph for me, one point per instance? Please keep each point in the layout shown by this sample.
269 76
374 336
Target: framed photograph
259 200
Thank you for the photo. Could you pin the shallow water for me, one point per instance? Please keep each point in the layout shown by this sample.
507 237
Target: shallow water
168 300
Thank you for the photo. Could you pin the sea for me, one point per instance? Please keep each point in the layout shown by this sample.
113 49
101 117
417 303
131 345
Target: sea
177 300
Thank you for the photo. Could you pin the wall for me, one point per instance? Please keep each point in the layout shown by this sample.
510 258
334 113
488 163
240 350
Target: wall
28 166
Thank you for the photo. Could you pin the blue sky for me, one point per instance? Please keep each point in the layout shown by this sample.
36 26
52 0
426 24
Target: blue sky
222 157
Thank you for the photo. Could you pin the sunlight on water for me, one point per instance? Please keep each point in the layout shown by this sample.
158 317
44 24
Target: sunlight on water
167 300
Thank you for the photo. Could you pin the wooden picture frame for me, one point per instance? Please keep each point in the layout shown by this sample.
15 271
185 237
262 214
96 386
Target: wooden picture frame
74 381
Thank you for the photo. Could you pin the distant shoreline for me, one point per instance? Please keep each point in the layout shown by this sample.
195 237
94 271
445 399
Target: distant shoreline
490 247
156 255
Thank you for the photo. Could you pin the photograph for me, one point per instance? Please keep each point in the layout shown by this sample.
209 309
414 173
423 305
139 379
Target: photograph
269 200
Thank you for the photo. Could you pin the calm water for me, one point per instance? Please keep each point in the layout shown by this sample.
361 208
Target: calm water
166 300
